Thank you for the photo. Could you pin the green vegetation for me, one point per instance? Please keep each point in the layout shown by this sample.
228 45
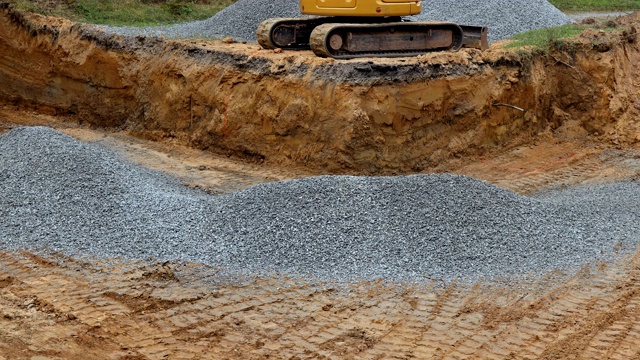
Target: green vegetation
542 38
556 37
596 5
126 12
561 37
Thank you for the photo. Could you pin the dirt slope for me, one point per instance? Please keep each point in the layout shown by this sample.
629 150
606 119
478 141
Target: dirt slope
293 109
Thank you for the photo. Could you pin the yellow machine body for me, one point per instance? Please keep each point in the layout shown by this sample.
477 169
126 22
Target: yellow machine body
363 8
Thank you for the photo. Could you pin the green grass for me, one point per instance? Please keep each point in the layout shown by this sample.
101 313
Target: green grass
556 37
542 38
596 5
126 12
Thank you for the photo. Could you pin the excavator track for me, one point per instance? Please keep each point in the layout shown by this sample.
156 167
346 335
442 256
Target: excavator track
288 34
294 33
347 41
353 37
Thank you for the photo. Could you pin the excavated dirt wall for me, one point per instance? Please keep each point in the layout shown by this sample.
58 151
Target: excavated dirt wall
378 116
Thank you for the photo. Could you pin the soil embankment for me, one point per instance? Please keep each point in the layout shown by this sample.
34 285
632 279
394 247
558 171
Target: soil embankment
345 116
362 116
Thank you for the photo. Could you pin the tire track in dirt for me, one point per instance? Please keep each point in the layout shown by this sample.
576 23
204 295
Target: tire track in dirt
527 170
608 167
152 311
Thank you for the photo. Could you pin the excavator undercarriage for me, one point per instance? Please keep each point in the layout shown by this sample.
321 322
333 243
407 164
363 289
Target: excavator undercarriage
346 37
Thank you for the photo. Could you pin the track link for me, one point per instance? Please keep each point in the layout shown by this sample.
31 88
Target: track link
347 41
354 37
295 33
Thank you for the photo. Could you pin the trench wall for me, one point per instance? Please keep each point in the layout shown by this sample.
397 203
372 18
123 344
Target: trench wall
372 117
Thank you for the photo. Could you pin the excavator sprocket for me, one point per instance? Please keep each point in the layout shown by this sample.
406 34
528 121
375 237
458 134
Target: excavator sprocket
287 34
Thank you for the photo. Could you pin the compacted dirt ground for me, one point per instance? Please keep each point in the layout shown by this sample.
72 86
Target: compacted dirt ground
580 127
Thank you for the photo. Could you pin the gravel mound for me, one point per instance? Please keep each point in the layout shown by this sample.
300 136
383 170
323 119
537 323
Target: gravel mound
240 20
504 18
65 195
81 199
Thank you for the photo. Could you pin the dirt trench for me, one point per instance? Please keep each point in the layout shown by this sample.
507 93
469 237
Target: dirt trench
292 109
263 116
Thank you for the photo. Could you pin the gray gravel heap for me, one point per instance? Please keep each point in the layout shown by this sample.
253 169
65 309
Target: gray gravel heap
60 194
504 18
240 20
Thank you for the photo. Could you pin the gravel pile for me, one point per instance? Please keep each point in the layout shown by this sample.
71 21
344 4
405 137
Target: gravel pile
65 195
81 199
504 18
240 20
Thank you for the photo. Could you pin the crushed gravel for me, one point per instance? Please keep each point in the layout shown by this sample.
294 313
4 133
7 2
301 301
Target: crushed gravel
504 18
81 199
240 20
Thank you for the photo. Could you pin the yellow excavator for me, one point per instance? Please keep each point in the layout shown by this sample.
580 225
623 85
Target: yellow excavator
345 29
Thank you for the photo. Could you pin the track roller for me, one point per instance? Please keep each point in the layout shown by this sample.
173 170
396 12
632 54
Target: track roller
347 41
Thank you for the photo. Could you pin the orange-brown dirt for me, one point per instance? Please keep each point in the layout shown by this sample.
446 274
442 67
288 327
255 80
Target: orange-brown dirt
222 117
294 109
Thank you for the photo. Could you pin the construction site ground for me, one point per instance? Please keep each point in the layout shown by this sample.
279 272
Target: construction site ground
56 307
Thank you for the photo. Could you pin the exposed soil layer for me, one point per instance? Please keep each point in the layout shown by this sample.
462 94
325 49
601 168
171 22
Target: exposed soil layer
293 109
